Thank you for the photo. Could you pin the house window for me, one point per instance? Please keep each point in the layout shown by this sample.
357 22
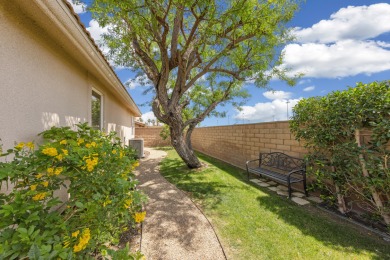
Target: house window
96 113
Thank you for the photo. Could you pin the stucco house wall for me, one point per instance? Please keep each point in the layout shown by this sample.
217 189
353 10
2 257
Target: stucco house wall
48 68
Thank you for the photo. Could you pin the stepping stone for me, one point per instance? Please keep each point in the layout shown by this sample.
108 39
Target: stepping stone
263 184
272 183
298 194
300 201
255 181
315 199
272 188
282 193
282 188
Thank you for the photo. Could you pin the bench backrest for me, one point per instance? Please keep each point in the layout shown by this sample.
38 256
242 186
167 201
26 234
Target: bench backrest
281 161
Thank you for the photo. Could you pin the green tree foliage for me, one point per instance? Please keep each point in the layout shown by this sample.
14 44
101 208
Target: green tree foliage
196 54
330 126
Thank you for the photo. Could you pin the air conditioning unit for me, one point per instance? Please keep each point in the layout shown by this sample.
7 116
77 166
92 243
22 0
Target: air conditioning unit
138 145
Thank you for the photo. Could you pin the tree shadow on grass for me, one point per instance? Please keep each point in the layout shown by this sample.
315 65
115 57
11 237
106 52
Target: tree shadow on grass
334 233
194 182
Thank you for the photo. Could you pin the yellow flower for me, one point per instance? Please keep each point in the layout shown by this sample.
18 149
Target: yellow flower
50 151
89 145
77 248
80 141
113 151
59 157
65 152
83 241
121 154
33 187
58 170
63 142
50 171
39 175
39 196
136 164
89 168
45 183
139 216
76 233
30 145
19 146
106 202
127 203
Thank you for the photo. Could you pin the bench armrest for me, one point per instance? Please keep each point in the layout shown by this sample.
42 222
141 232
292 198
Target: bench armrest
247 162
301 171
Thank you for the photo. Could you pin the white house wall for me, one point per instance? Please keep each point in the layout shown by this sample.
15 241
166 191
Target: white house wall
42 86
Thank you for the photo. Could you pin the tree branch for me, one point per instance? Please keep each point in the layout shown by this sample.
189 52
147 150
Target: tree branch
150 66
235 74
175 35
232 45
212 106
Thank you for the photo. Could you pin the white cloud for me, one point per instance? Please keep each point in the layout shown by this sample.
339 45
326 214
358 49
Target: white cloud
383 44
304 81
311 88
343 45
148 115
78 8
277 94
352 22
267 111
97 31
139 81
342 59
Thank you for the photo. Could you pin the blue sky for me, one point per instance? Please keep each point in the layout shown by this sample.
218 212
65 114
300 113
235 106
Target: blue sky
338 43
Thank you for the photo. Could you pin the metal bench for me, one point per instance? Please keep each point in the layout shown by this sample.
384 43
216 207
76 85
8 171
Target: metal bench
279 167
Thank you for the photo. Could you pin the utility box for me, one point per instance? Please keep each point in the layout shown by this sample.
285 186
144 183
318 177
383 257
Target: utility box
138 145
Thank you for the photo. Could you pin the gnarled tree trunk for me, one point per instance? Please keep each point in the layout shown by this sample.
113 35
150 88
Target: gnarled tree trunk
183 147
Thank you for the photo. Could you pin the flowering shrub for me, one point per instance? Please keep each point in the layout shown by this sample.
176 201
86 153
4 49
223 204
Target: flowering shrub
103 201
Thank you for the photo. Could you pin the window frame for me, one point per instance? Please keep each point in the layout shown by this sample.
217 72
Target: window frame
99 93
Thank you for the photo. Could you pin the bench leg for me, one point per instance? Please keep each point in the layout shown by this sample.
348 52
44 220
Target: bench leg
304 186
289 189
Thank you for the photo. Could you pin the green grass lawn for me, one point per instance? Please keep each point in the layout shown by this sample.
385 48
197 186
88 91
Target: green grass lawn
254 223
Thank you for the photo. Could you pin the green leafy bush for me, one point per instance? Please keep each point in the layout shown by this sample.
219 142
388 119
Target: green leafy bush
103 200
330 126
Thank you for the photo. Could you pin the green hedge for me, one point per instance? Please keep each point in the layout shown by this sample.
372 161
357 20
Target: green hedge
344 168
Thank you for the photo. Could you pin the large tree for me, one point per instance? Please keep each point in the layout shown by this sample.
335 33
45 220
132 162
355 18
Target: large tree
196 54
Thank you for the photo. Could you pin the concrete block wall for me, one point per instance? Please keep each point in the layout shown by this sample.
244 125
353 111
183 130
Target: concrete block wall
236 144
151 136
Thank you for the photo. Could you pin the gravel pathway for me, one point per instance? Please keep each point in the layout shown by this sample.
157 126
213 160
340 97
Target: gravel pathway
174 227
